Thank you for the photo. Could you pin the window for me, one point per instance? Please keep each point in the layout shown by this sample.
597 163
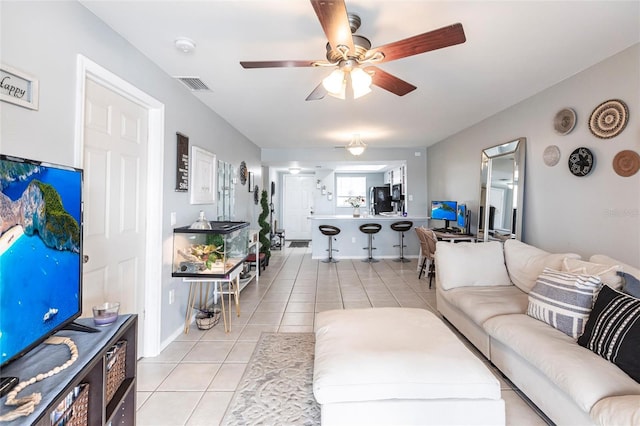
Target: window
350 186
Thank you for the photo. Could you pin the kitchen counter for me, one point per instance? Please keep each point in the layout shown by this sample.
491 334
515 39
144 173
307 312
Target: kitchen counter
352 243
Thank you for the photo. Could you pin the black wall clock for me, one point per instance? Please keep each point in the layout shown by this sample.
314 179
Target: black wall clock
581 161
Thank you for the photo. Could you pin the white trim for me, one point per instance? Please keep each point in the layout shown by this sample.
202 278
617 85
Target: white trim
87 69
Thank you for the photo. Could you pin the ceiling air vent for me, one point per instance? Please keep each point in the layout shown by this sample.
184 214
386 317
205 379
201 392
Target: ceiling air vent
194 84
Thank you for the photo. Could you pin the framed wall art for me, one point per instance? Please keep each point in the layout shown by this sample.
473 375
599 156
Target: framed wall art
203 176
18 88
182 163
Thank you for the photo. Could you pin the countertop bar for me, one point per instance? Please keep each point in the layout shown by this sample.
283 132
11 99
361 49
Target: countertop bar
352 243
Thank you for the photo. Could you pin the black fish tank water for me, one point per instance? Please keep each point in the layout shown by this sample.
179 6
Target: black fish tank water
40 252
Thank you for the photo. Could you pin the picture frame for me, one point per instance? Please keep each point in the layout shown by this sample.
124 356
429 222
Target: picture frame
251 181
19 88
202 175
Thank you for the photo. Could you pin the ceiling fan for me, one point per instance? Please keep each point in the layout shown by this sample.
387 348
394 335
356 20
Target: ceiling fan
354 57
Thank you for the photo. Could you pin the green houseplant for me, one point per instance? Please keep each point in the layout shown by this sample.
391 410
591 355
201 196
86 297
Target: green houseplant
265 228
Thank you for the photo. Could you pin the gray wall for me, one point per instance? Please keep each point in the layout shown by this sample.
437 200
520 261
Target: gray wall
44 39
599 213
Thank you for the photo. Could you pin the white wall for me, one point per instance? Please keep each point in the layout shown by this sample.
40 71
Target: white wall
599 213
415 158
44 39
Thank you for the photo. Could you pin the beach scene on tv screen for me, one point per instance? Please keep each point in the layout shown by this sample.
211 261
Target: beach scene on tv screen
40 274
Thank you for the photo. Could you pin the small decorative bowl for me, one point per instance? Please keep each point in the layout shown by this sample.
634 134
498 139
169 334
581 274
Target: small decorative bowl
106 314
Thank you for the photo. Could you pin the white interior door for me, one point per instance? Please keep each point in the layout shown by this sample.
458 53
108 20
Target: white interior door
115 163
297 205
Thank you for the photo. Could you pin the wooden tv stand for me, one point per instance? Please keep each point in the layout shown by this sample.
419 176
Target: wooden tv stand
91 368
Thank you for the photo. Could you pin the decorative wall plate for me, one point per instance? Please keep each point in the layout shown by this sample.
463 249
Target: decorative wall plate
581 161
256 195
243 173
551 155
564 121
626 163
609 119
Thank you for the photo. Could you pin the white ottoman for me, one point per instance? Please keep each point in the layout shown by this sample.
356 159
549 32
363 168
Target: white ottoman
399 366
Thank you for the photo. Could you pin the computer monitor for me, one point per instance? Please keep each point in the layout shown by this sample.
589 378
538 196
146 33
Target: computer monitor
444 210
462 216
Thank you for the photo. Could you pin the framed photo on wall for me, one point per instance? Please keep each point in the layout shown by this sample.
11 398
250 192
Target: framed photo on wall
203 176
251 178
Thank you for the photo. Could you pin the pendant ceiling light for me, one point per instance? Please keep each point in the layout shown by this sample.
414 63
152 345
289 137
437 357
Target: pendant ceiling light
356 146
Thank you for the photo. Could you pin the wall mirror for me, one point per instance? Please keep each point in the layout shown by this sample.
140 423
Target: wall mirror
226 191
502 191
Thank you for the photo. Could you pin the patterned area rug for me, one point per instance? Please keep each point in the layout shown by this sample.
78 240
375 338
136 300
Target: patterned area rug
276 388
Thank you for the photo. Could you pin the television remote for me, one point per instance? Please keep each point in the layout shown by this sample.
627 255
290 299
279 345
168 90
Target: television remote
6 384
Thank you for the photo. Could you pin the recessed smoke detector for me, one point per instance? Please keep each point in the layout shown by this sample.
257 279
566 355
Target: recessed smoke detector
185 44
194 84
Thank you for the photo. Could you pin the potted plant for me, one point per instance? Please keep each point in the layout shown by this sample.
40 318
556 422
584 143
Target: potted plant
265 228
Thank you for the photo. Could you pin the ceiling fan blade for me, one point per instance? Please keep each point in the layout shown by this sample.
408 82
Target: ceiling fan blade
432 40
276 64
318 93
389 82
335 23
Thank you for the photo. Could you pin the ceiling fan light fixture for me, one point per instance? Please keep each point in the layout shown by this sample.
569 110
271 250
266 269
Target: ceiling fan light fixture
356 146
335 84
361 82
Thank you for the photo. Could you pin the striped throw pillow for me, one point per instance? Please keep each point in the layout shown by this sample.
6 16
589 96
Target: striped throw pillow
563 300
613 330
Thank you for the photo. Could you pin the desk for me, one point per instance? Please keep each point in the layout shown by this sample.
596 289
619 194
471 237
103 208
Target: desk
454 238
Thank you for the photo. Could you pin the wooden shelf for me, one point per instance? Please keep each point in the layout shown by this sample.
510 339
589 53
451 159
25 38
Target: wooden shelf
89 368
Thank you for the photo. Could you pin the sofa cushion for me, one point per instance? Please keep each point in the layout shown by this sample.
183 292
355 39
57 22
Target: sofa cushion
630 284
482 303
584 376
563 300
606 260
607 273
613 330
525 262
470 264
617 410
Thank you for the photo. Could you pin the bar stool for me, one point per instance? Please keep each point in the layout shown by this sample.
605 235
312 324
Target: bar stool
370 229
330 231
402 227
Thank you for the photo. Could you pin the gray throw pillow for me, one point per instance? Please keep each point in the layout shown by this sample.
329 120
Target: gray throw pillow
631 285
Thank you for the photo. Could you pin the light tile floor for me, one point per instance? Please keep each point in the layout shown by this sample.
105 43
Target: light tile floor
192 381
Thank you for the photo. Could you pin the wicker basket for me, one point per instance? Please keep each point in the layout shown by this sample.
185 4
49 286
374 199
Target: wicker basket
116 368
207 318
76 414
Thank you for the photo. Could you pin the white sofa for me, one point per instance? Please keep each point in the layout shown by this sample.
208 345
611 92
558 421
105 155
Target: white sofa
482 290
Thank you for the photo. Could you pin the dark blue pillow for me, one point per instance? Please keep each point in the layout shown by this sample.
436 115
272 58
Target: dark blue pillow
631 285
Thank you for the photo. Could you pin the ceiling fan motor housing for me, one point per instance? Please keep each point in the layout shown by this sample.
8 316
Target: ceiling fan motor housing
361 45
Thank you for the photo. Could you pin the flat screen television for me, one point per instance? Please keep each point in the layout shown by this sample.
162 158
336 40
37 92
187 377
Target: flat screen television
40 252
462 216
444 210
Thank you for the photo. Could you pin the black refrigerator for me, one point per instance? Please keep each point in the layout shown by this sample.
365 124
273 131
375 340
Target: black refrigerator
380 199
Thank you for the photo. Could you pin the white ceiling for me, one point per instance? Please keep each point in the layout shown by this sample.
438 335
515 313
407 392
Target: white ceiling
514 49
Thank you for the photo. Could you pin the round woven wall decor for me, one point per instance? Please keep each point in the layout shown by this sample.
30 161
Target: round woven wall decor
564 121
609 119
626 163
551 155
